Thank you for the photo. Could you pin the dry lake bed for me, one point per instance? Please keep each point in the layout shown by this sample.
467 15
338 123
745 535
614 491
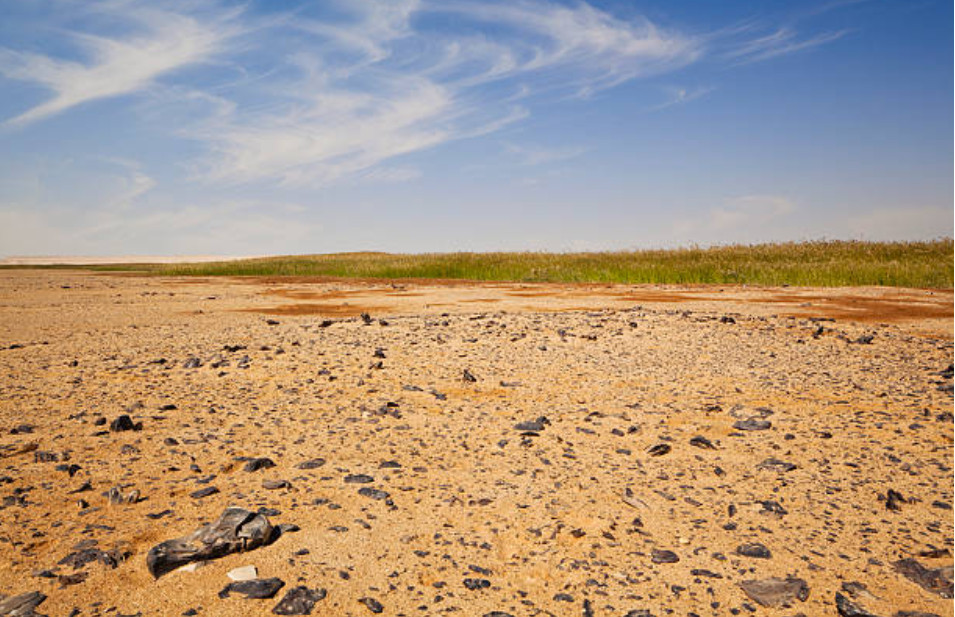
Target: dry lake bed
488 449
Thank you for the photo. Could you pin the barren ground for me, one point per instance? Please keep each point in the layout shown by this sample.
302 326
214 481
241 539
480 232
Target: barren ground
542 517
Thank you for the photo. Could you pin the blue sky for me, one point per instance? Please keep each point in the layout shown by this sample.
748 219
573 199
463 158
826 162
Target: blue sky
216 127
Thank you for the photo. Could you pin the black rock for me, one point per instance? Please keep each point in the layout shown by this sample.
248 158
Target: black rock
659 450
256 464
125 423
315 463
372 604
702 442
358 478
530 425
662 556
893 499
776 591
774 464
752 424
299 601
773 508
754 549
256 589
23 605
476 583
204 492
373 493
468 376
934 580
848 609
235 531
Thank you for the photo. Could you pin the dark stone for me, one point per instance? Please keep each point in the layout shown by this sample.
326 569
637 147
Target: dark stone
774 508
23 605
235 531
358 478
659 450
752 424
530 425
255 589
774 464
476 583
373 493
372 604
892 500
848 609
563 597
276 484
662 556
702 442
935 580
125 423
315 463
299 601
204 492
776 591
256 464
754 549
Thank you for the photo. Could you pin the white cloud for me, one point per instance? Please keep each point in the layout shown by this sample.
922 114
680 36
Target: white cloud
161 42
783 41
681 96
380 83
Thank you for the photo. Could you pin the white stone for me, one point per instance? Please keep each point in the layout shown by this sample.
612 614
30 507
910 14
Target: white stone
245 573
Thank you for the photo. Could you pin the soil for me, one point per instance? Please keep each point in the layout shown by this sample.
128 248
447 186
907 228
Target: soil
431 378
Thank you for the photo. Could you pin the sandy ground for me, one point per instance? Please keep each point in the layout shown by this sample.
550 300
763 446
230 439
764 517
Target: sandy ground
544 518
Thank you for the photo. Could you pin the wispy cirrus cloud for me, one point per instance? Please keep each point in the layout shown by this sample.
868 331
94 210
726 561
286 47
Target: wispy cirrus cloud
385 80
781 42
156 42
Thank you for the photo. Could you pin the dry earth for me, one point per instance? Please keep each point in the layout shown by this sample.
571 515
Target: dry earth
573 518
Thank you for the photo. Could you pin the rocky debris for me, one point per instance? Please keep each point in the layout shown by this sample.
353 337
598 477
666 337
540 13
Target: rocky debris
893 499
754 549
534 426
23 605
468 376
773 508
314 463
358 478
752 424
772 592
702 442
83 556
124 423
774 464
935 580
848 609
204 492
373 493
659 449
299 601
474 584
192 362
255 464
372 604
273 485
663 556
116 497
236 530
255 589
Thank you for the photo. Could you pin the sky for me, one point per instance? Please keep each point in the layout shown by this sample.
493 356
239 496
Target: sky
263 127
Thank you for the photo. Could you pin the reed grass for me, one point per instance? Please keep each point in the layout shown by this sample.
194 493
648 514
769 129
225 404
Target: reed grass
817 263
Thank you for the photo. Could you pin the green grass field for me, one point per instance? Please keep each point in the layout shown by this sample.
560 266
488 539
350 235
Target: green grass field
822 263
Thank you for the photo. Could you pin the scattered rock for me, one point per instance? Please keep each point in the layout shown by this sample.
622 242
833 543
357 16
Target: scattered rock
299 601
752 424
772 592
235 531
754 549
663 556
124 423
255 464
23 605
255 589
243 573
848 609
935 580
372 604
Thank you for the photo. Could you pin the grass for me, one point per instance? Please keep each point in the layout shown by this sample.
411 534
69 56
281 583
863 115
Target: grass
819 263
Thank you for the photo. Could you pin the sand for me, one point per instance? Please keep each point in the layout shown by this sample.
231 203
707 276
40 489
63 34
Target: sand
545 519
